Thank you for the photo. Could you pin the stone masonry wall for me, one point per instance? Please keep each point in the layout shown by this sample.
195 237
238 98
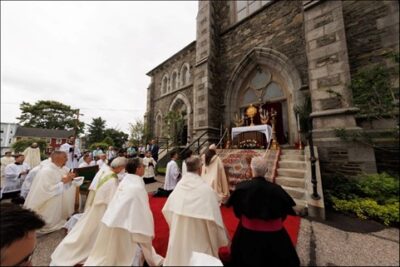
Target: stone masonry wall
162 102
278 26
372 31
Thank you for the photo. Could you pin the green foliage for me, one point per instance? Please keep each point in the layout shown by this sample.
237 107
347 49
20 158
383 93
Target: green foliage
49 115
372 92
174 122
304 110
118 137
99 134
108 141
373 196
138 132
96 130
366 208
381 187
103 146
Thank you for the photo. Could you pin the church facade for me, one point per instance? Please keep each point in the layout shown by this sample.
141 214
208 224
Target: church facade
275 55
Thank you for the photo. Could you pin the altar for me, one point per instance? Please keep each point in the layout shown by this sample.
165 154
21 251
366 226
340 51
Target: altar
257 136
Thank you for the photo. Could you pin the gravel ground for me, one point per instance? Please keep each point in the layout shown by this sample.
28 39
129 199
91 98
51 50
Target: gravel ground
319 243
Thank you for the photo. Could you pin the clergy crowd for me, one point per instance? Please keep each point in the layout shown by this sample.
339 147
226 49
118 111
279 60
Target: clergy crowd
116 226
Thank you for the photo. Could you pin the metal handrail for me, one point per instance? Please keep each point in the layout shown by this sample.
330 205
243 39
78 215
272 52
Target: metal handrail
223 136
314 182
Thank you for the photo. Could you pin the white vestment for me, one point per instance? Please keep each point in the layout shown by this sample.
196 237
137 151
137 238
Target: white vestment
46 197
214 175
72 156
85 164
76 246
92 188
172 175
127 224
32 156
100 162
195 222
26 185
13 178
149 169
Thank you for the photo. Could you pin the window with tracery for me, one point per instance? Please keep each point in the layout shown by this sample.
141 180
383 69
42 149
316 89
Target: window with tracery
246 7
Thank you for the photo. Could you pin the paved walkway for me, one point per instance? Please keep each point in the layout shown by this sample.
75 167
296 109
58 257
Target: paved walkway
339 241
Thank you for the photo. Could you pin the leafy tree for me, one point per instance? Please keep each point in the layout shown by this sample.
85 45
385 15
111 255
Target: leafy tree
137 132
108 141
96 130
49 114
118 137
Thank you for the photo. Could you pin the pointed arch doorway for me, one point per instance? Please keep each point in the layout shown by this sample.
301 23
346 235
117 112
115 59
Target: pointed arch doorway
268 80
181 105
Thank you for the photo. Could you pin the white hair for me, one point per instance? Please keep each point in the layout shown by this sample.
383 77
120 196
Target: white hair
259 166
118 162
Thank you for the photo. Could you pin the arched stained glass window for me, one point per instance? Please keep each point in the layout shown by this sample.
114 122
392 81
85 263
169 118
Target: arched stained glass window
249 97
272 92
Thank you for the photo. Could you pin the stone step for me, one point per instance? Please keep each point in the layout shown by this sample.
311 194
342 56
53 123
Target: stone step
301 207
292 173
292 152
296 193
290 182
292 164
292 157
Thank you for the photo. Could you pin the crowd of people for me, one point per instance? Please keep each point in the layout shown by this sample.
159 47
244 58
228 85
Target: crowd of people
116 226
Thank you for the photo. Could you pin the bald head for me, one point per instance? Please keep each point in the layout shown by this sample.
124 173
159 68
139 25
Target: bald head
59 158
193 164
258 166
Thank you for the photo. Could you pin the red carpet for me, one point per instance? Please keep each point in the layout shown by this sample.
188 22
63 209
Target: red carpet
160 242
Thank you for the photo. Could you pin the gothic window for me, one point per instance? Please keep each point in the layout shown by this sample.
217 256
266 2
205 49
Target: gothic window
174 81
249 97
185 74
164 85
273 92
247 7
159 125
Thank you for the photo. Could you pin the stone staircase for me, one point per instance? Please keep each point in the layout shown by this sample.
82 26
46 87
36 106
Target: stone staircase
291 175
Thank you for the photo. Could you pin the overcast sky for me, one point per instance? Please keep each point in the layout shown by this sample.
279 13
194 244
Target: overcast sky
90 55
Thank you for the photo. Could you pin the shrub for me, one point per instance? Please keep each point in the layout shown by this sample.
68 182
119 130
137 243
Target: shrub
369 196
103 146
366 208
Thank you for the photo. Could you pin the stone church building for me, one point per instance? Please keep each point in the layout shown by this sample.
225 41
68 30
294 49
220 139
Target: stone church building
276 54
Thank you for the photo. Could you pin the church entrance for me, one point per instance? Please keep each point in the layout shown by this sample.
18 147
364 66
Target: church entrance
267 97
269 81
180 107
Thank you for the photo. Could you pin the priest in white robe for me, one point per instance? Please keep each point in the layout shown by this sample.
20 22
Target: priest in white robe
14 175
26 185
92 188
194 218
213 173
46 194
72 151
127 224
172 173
32 155
76 246
7 159
87 161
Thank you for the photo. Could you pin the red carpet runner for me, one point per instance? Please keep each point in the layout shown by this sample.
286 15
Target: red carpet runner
160 242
